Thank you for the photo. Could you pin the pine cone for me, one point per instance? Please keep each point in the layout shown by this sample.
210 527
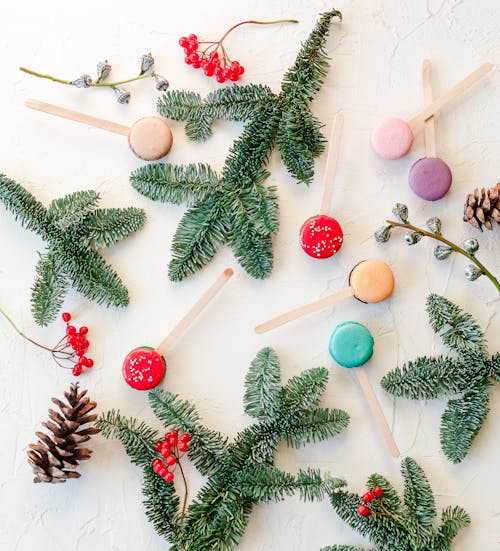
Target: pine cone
482 208
54 458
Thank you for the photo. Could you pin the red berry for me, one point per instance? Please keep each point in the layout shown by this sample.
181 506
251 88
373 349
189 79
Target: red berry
194 57
169 477
165 449
185 437
157 465
77 369
66 316
172 441
196 64
234 76
241 69
377 491
84 330
72 340
364 511
226 73
213 56
209 69
183 41
218 71
368 497
204 62
192 37
85 343
220 79
170 460
183 446
71 330
187 60
162 471
158 446
88 362
168 434
174 433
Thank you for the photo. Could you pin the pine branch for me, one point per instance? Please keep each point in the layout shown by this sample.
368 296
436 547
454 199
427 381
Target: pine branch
92 276
162 506
242 212
461 421
293 149
305 78
200 232
48 291
106 227
342 548
137 439
240 474
262 386
316 425
186 106
453 519
175 183
236 103
71 210
426 378
305 390
418 498
207 448
72 227
471 376
394 528
31 213
463 334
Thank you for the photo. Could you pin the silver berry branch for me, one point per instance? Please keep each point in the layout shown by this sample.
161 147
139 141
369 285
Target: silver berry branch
442 251
103 70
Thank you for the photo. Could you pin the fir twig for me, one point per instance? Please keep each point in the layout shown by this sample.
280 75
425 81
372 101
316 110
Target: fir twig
467 377
391 525
73 227
237 209
241 473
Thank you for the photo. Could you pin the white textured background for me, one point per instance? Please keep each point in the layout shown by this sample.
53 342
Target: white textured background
377 54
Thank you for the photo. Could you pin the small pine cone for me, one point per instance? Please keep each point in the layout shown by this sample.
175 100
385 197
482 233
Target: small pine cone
482 208
55 457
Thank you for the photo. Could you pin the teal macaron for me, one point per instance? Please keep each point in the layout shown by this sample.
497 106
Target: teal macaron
351 344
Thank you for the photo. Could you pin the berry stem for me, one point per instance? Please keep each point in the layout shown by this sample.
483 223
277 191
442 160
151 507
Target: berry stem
450 244
19 332
184 501
252 22
93 84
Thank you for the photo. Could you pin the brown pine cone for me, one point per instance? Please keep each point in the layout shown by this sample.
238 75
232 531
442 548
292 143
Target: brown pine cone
55 457
482 208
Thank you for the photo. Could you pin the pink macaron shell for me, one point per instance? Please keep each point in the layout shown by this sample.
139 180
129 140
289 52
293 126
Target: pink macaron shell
392 138
430 178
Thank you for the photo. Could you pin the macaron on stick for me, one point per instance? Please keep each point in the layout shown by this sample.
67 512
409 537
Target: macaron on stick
321 236
144 367
149 138
392 138
351 345
430 177
370 281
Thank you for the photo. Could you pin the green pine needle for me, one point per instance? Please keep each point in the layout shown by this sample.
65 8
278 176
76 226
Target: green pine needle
73 228
467 377
391 527
239 474
236 208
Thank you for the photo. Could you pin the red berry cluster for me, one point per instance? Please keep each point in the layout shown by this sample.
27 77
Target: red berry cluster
76 340
222 68
171 449
363 510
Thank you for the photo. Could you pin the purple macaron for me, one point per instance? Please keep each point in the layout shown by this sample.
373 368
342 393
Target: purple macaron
430 178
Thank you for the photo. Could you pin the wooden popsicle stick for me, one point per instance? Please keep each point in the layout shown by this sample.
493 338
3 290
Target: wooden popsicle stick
429 126
304 310
331 163
378 414
78 117
440 102
195 311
